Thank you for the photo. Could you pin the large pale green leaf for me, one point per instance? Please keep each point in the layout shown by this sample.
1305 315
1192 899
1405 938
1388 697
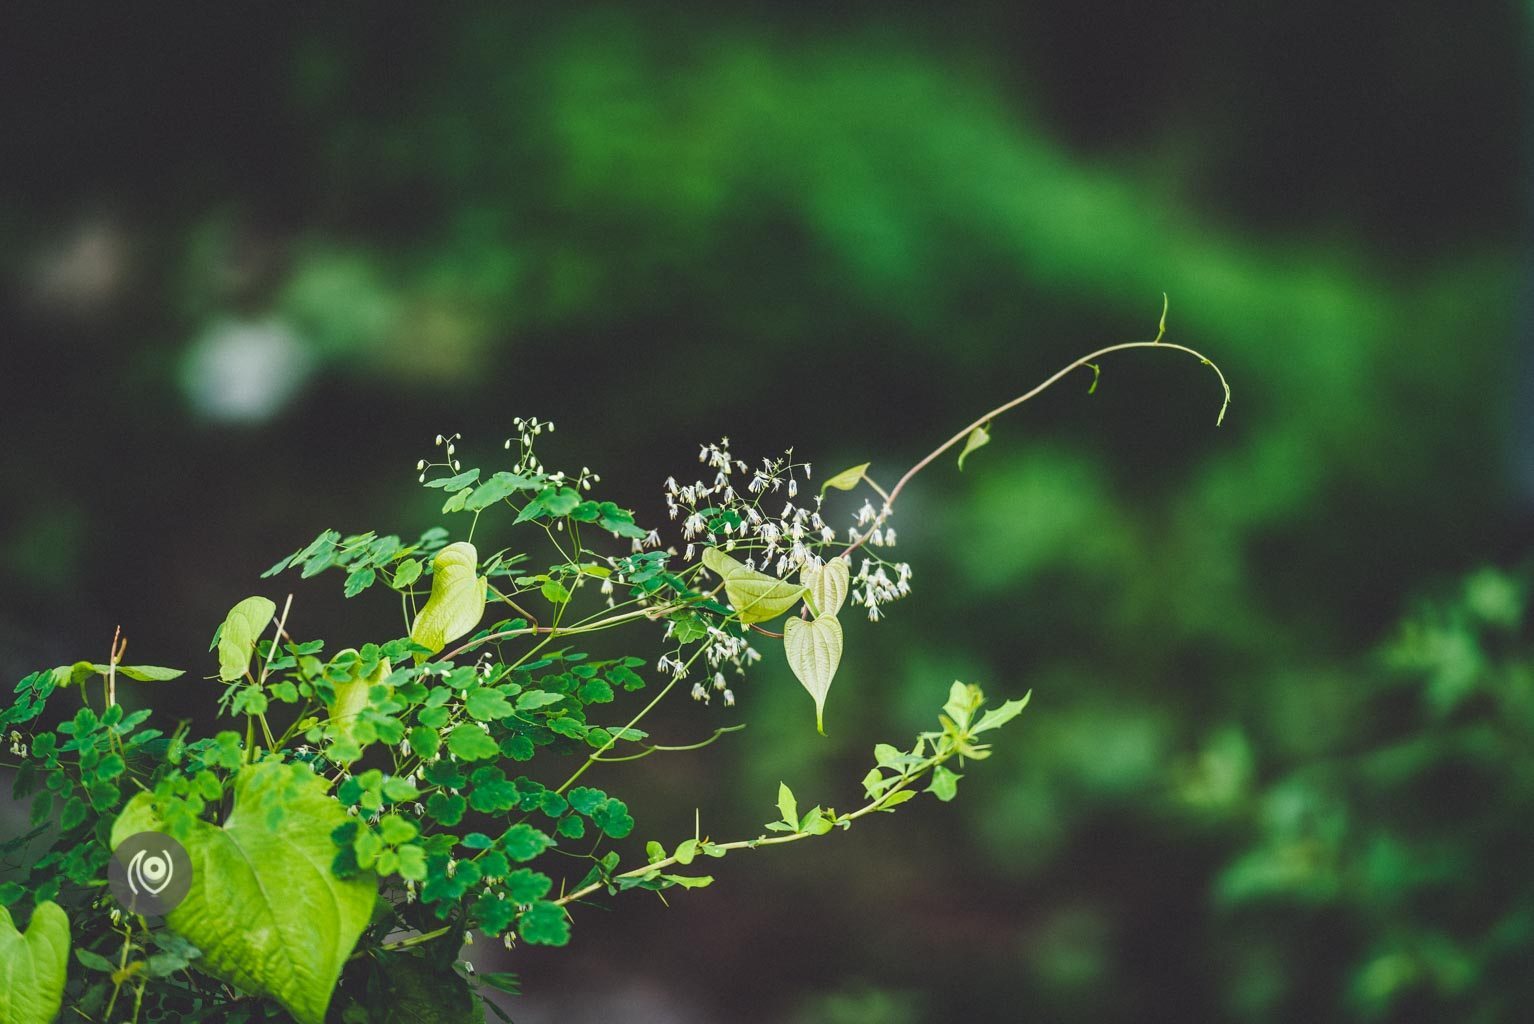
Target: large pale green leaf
238 635
264 907
457 601
755 596
827 585
814 650
33 966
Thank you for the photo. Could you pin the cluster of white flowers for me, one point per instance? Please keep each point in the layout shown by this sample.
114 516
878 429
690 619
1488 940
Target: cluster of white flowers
717 514
878 535
721 651
18 746
873 587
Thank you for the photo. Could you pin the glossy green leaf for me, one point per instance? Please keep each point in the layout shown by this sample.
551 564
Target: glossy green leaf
528 700
406 573
470 743
359 581
814 650
846 480
826 586
755 596
500 486
978 438
487 705
264 906
237 637
544 924
457 601
454 483
33 966
522 842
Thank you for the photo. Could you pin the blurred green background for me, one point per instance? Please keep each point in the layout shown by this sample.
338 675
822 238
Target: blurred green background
1278 761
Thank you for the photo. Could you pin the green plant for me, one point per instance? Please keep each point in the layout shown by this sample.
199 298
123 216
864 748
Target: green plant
1419 921
372 807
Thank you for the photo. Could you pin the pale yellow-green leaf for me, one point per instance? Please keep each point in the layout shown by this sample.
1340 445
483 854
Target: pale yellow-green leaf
827 586
847 479
237 637
264 907
978 438
755 596
73 675
457 601
33 966
814 650
351 698
719 562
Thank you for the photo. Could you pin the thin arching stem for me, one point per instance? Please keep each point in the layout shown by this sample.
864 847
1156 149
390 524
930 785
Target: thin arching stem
1034 392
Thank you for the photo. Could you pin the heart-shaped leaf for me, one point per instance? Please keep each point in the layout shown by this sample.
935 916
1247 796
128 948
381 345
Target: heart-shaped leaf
755 596
814 650
237 637
827 585
33 966
264 906
457 601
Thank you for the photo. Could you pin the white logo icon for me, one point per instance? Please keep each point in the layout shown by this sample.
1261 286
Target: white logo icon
149 873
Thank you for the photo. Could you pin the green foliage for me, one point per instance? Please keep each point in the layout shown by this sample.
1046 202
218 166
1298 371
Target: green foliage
264 905
1344 842
370 795
33 965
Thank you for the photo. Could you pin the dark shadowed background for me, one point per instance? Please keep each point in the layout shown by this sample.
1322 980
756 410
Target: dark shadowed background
1278 761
